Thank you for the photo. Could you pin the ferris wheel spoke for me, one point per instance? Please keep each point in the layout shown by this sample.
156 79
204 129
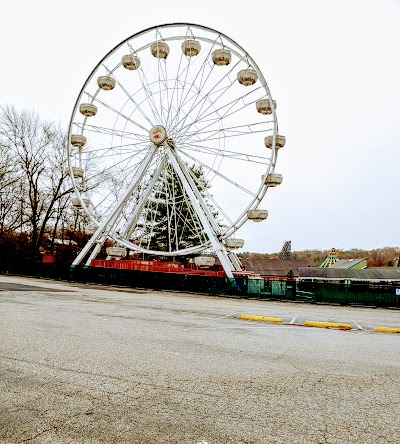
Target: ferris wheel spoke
122 164
142 201
110 168
112 132
113 151
231 104
146 88
105 198
167 100
118 148
216 172
206 95
190 220
172 238
236 155
176 90
212 102
210 198
130 98
239 130
233 134
110 197
188 99
109 107
182 80
161 86
226 114
149 97
208 119
200 72
152 223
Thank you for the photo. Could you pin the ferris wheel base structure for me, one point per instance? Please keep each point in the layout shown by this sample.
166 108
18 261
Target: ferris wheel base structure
173 143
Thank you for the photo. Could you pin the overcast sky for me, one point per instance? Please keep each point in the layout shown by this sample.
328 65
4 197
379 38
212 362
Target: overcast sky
332 67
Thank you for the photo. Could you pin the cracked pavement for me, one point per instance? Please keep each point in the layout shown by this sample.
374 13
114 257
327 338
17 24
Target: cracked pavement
91 364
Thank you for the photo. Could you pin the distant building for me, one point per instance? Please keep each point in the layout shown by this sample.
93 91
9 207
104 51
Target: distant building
356 264
286 252
332 274
274 267
331 259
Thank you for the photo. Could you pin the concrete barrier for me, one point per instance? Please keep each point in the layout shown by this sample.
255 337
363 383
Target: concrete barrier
318 324
387 329
337 325
260 318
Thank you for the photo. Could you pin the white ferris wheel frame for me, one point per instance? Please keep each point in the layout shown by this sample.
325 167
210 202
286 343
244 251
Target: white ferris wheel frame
215 237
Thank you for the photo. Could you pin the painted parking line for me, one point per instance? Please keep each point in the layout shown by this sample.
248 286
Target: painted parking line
357 325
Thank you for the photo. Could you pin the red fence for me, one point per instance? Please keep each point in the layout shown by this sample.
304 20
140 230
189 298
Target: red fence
49 258
164 267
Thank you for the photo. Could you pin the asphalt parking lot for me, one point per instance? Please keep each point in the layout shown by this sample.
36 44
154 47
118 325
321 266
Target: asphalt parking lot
90 364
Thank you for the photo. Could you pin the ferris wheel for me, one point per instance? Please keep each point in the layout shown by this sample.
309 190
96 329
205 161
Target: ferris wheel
173 142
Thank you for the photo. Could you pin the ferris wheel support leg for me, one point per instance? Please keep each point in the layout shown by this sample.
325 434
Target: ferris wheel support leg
197 193
95 252
139 207
104 229
216 244
235 260
98 239
102 239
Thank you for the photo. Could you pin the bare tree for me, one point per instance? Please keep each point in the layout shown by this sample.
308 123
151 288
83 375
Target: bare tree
38 152
9 190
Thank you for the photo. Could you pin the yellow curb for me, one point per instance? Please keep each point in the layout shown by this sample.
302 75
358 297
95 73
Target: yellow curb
328 325
387 329
261 318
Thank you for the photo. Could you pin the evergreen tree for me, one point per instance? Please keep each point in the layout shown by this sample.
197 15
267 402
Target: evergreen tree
170 221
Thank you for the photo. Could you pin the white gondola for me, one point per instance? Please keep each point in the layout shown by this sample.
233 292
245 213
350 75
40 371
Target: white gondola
191 47
88 109
257 215
78 140
247 77
78 172
221 57
130 62
116 251
279 141
77 203
273 179
264 106
233 243
204 261
106 82
160 50
90 229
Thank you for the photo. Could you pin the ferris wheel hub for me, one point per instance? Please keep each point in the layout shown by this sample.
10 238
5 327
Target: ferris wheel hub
158 135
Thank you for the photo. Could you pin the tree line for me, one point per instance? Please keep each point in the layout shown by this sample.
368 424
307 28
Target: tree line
379 257
36 214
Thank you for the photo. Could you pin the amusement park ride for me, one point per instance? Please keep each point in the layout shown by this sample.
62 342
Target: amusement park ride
175 126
